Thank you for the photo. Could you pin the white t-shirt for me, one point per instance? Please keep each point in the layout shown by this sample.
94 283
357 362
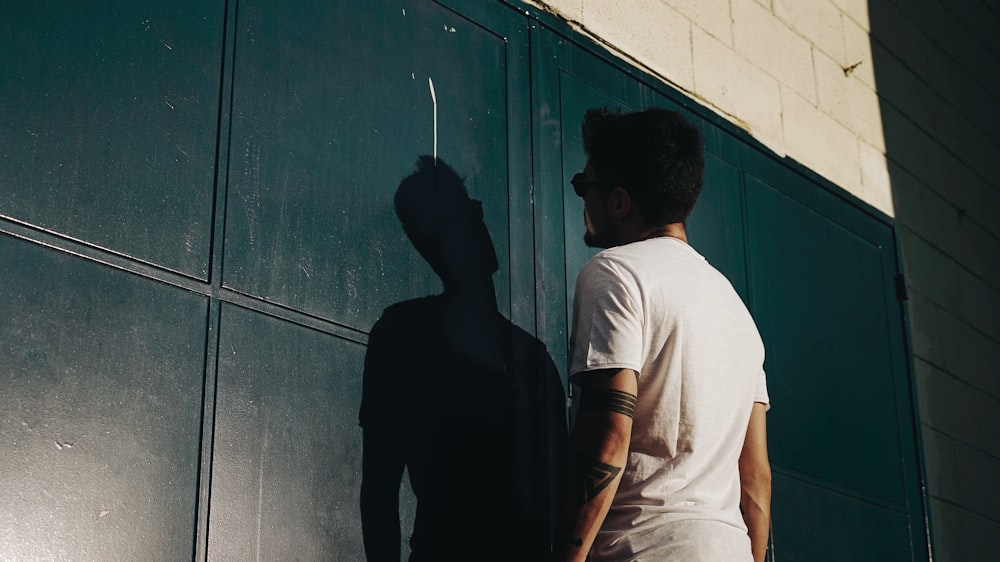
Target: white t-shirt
657 307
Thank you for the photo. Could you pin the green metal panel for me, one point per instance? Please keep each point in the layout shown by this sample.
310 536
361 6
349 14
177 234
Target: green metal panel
818 291
287 464
108 119
102 378
332 106
842 430
814 522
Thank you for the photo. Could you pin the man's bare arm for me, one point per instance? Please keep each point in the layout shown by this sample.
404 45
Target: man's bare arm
598 452
755 482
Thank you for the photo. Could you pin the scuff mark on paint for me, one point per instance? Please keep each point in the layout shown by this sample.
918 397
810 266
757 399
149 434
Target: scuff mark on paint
850 69
260 491
435 102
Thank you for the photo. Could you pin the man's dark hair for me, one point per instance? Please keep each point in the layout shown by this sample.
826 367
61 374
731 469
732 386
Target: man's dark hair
655 155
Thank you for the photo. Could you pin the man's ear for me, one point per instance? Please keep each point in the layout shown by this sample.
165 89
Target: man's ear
620 203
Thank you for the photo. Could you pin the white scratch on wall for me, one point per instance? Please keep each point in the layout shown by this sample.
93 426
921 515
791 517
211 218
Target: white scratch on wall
434 100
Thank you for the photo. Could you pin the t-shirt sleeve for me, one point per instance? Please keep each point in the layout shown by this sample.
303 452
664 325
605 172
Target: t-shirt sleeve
607 319
760 395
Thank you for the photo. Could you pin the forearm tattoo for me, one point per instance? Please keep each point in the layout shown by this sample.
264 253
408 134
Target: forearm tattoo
608 401
592 477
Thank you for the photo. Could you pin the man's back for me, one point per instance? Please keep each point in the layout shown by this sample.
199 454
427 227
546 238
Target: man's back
657 307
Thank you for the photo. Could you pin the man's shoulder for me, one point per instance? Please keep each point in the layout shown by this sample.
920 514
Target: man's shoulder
655 257
623 256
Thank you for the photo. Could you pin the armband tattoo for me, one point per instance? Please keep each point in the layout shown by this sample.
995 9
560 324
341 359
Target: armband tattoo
608 401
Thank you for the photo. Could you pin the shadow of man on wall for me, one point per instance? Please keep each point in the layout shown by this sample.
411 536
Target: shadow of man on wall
471 405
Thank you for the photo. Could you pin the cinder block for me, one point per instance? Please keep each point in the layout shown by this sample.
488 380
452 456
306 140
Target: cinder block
831 89
945 340
930 271
981 305
921 210
856 10
937 21
858 52
961 474
981 21
649 31
899 36
867 113
876 185
963 135
914 150
713 16
954 408
819 21
848 101
744 92
819 142
952 85
767 42
961 535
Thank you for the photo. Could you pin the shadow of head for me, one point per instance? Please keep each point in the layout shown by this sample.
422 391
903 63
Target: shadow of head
444 225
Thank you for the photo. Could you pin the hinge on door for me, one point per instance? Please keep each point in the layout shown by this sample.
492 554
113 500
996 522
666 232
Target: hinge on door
901 287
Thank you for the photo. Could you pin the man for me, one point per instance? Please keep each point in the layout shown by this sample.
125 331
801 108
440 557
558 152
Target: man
668 451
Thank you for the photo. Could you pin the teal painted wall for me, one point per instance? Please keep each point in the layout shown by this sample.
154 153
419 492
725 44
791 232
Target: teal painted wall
199 235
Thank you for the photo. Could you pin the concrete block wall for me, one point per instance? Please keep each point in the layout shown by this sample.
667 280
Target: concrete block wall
797 74
897 102
937 67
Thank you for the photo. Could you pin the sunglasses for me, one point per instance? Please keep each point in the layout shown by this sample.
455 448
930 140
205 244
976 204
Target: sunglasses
581 184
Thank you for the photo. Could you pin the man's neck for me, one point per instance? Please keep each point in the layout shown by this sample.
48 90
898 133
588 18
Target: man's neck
672 230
